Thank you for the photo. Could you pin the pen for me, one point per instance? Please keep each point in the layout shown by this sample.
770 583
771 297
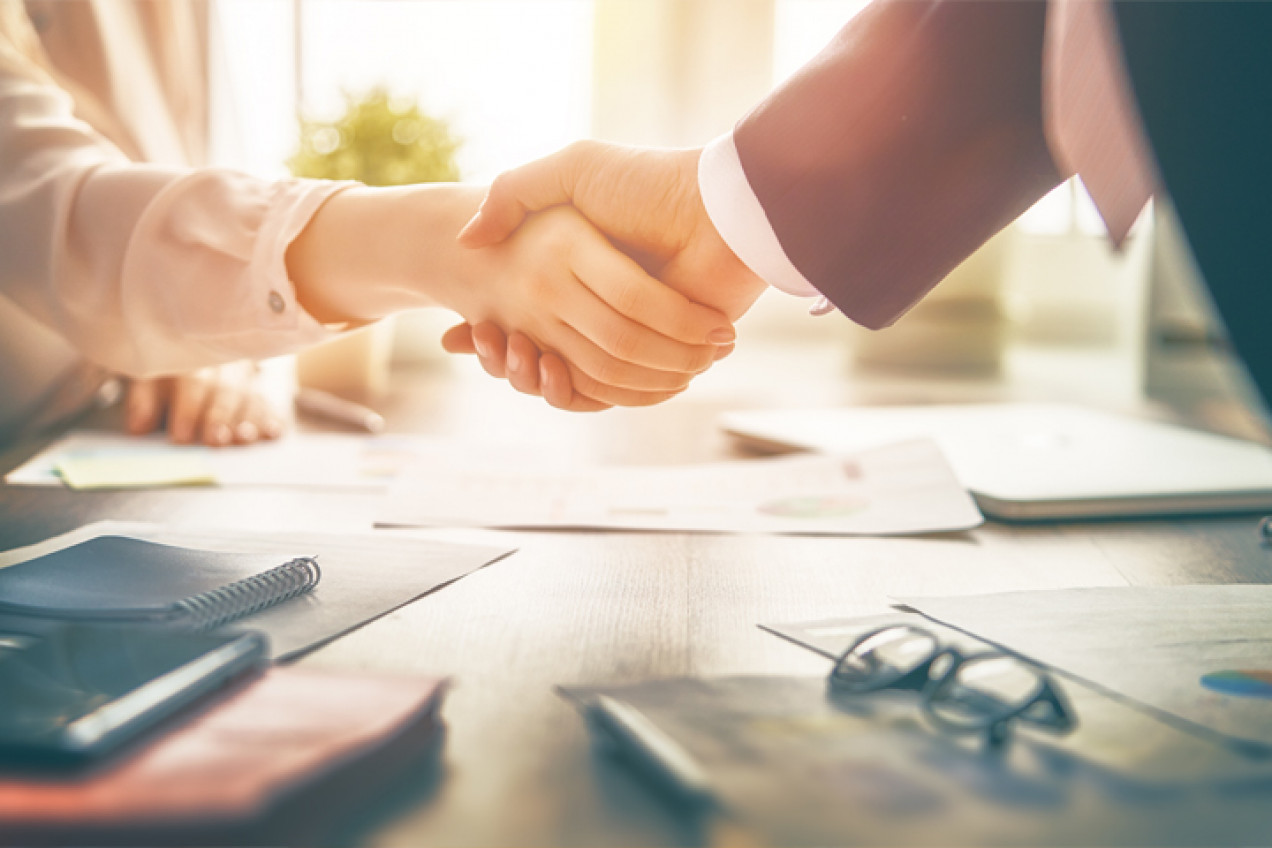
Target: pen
324 405
639 738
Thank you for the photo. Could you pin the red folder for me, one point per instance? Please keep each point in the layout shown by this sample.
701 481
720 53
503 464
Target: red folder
270 760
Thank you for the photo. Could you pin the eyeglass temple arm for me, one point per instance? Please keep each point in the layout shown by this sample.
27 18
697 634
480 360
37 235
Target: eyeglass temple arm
1061 715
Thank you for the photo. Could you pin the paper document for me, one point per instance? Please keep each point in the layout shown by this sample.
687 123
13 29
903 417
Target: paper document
93 460
364 575
1115 733
903 488
796 765
1202 654
1028 461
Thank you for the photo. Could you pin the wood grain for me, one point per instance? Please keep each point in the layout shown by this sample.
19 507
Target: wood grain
517 768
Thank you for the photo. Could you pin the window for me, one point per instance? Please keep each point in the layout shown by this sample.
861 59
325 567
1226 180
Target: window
512 77
517 79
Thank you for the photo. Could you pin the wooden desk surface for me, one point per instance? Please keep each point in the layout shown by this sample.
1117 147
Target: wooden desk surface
517 767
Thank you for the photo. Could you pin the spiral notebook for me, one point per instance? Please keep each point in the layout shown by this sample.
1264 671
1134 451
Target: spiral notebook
116 578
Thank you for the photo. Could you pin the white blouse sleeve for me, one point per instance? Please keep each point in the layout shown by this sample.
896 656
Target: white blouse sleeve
145 269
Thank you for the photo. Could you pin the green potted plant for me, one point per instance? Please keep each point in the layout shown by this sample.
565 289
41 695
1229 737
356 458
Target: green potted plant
378 140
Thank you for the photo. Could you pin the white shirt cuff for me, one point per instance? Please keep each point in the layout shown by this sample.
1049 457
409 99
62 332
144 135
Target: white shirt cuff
740 219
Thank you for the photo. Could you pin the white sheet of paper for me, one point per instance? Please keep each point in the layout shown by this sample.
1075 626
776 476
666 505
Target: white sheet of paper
1115 732
903 488
299 459
1199 653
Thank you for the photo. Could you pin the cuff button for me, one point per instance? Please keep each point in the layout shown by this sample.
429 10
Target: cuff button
276 302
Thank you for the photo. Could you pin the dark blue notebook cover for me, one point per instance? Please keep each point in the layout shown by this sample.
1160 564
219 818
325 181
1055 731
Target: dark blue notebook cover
114 577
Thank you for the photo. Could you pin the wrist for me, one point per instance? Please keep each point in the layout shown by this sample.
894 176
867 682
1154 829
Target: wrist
736 285
738 223
370 252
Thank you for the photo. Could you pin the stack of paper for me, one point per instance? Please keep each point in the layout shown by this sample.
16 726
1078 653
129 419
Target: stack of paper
1167 679
902 488
1197 654
793 764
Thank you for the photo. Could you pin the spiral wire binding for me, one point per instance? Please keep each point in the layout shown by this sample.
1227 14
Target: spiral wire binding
213 608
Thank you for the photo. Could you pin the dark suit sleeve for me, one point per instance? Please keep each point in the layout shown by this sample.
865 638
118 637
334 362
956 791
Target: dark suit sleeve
910 140
1202 77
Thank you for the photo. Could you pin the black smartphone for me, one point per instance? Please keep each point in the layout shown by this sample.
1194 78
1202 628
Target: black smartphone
73 691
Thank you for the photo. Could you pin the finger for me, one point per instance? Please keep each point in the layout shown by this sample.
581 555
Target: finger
459 339
523 364
554 380
612 395
220 413
273 425
632 343
492 348
255 420
514 194
623 284
582 354
144 404
189 395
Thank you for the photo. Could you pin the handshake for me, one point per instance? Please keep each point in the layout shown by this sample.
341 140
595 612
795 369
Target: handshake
653 294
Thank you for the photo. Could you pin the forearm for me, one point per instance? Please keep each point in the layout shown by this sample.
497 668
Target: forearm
370 252
142 269
908 142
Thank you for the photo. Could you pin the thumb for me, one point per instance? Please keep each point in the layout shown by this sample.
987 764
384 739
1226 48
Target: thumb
515 194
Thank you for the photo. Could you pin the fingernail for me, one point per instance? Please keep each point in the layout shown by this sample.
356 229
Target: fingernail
722 351
273 428
483 349
546 386
722 335
467 230
246 431
514 361
221 434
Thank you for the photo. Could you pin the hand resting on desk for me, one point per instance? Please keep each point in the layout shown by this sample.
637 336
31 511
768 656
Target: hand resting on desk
217 406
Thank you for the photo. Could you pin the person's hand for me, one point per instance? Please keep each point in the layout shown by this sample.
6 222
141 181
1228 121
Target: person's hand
562 286
216 406
647 202
527 369
627 338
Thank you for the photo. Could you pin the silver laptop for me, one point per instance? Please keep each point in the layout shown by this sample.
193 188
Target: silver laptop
1030 461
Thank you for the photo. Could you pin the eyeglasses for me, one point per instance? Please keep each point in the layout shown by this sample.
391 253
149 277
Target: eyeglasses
980 693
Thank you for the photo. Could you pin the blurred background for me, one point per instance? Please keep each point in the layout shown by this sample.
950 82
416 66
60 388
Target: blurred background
511 80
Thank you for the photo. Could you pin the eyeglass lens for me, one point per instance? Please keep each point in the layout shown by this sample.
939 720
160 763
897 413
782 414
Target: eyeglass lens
983 690
882 658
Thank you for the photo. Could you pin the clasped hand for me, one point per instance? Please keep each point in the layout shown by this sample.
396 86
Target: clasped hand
647 203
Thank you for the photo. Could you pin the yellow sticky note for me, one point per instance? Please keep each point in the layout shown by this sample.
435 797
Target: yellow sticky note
139 470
